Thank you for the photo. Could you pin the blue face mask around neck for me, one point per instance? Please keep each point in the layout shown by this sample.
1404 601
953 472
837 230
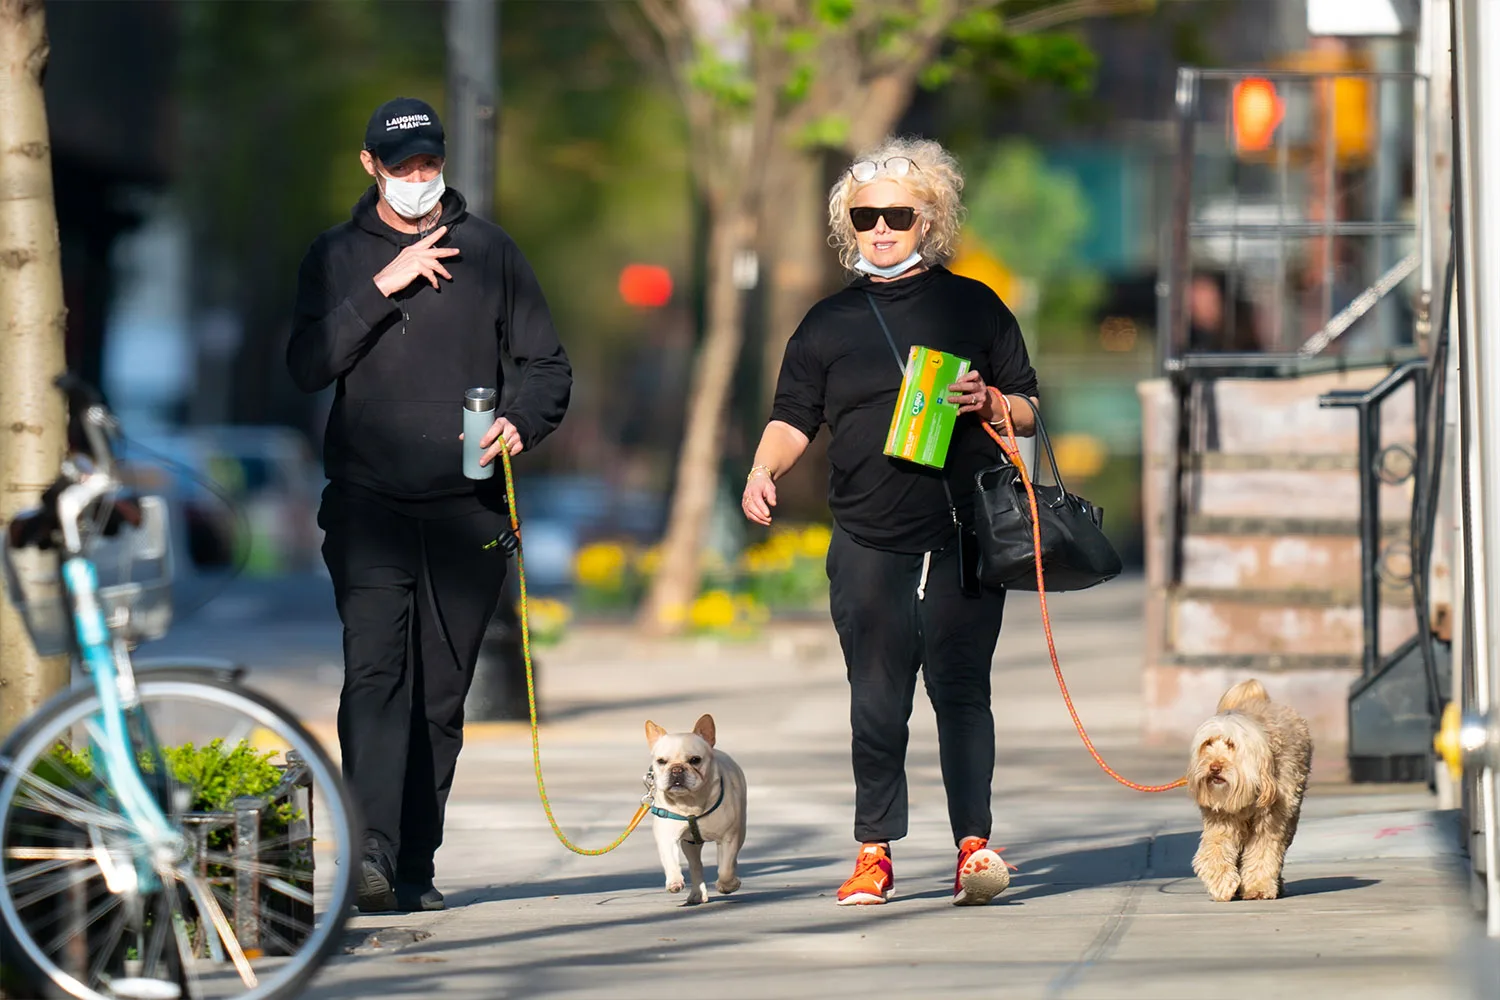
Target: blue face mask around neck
866 267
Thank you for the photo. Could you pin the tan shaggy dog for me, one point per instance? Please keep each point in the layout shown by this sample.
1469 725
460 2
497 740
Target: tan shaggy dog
1248 774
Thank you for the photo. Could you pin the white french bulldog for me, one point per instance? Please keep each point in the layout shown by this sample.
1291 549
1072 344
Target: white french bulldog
698 795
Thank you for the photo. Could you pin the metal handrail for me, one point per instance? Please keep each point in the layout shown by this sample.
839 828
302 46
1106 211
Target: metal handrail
1367 402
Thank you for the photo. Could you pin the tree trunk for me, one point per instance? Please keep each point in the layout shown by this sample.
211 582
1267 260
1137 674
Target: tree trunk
676 584
33 432
795 251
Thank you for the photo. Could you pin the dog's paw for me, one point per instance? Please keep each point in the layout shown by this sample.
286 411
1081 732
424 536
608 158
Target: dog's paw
1260 891
698 895
1221 887
726 886
675 885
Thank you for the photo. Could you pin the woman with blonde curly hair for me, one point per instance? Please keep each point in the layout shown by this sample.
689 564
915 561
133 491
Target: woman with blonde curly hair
902 587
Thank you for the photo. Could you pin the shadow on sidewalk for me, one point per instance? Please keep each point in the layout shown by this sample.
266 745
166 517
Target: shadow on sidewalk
1166 857
570 709
751 873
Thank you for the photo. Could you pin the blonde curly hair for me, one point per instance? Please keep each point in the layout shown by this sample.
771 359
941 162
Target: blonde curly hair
937 185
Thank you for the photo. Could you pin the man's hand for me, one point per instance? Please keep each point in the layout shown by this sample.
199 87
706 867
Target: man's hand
420 260
502 434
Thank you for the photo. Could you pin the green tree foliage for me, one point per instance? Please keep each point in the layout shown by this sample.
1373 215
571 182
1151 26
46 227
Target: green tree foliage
1034 219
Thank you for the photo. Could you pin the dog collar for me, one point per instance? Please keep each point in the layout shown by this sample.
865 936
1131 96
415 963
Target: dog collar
691 821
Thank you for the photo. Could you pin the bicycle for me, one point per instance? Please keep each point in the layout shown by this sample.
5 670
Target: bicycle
116 879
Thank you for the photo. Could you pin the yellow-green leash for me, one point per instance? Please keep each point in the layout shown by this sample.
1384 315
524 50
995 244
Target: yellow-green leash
536 747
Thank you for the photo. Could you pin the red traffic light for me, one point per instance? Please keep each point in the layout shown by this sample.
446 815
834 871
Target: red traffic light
1257 111
645 286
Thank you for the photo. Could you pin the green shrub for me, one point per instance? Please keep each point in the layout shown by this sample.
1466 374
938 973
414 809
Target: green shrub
213 776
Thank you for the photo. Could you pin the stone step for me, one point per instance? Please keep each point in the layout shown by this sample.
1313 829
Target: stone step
1176 693
1233 623
1269 562
1274 416
1305 494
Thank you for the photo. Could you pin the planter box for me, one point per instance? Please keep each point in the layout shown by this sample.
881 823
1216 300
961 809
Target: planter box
270 915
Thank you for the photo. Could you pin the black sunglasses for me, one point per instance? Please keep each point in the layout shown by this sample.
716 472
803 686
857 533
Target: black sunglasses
898 217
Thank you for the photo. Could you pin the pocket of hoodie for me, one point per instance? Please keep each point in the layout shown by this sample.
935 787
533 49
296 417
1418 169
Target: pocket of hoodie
407 448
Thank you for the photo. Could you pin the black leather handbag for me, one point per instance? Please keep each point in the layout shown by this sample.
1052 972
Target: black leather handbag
1076 554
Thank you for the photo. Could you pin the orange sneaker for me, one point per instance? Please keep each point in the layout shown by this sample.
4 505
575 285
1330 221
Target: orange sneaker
981 875
873 879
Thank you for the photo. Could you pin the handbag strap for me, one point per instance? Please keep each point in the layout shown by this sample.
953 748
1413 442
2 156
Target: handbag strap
896 353
1041 432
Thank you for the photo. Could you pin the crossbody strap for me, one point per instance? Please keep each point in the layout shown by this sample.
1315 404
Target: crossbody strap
896 353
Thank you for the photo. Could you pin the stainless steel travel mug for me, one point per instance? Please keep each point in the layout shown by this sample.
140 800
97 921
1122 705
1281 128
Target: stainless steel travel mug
479 414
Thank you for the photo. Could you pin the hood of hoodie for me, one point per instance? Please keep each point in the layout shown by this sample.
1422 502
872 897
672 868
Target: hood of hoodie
366 216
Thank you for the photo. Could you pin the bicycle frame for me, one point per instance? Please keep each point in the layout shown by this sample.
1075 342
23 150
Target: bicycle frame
108 666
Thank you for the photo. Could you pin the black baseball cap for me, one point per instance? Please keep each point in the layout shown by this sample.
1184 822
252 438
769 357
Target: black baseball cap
402 128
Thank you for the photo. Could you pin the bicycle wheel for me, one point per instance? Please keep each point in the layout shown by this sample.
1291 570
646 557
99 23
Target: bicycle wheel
266 883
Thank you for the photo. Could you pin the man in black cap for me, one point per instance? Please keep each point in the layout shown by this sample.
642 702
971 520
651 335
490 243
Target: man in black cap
404 307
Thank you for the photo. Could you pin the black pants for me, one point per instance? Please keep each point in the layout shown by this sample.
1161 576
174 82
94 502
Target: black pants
414 596
888 631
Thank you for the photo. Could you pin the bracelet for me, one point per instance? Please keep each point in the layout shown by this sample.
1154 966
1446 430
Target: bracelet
1005 403
759 468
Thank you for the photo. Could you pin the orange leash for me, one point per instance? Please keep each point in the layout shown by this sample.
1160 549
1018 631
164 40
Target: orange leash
1012 449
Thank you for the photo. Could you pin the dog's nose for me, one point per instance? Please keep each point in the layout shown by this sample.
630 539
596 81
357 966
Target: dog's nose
1215 767
677 769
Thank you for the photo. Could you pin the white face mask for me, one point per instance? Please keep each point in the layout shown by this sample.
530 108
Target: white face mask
862 264
412 199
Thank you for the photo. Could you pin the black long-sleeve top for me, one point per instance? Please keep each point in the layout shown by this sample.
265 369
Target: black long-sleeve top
838 369
402 363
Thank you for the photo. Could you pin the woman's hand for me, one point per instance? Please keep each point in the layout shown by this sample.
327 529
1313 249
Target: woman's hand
972 396
759 497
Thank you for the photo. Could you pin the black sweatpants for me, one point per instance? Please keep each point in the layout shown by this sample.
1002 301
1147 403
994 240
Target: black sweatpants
414 595
895 615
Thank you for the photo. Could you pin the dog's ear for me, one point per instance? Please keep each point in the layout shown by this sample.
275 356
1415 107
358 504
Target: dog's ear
653 733
1265 778
705 729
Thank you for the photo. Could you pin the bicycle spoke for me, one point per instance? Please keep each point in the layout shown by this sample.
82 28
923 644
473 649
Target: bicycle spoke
49 853
289 890
208 906
260 868
184 944
54 886
86 811
99 911
20 875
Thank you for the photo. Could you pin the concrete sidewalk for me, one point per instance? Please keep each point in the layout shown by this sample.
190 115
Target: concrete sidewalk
1104 904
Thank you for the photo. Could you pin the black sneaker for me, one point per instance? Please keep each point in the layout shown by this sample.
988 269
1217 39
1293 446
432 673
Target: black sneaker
375 892
418 897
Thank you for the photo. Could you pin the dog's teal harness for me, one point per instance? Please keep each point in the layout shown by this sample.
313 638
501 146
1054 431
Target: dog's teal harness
691 821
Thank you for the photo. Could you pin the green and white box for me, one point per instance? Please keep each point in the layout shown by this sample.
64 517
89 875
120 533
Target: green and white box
922 426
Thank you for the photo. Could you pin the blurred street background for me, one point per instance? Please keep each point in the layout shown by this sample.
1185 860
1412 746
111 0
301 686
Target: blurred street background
199 146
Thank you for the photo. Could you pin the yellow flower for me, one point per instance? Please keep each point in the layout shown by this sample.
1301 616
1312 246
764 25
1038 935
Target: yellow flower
751 610
814 540
712 610
648 562
600 565
1080 456
547 618
547 612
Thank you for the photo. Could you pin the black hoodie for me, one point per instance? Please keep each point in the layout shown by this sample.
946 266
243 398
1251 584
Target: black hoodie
402 363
